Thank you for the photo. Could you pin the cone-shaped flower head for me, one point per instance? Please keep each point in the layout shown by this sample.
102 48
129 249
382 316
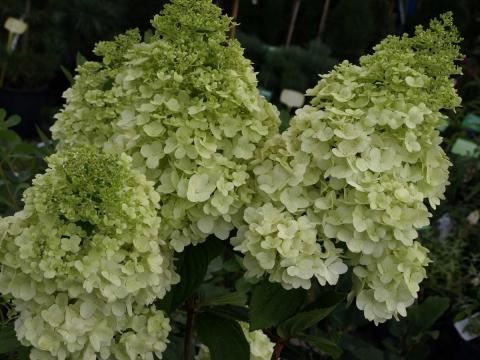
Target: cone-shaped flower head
355 167
185 107
83 259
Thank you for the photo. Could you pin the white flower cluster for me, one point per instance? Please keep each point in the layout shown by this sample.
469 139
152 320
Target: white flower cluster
186 108
261 348
287 249
355 166
83 260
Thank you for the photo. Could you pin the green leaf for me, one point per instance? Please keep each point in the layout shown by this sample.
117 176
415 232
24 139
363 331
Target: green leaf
24 352
12 121
271 304
429 311
311 314
147 36
68 75
10 136
8 339
223 337
80 59
108 84
45 140
322 344
397 328
208 290
25 148
175 349
233 298
3 113
231 265
192 266
326 300
239 313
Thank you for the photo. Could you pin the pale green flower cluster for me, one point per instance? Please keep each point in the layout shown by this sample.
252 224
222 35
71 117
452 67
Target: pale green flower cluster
84 260
355 166
261 348
286 248
186 108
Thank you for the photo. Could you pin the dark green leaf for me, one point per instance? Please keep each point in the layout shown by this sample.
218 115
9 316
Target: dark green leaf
12 121
311 314
23 352
68 75
325 300
271 304
25 148
397 328
192 266
429 311
80 59
8 339
175 349
208 290
11 137
3 113
46 141
147 36
223 337
108 84
335 334
239 313
231 265
322 344
234 298
6 201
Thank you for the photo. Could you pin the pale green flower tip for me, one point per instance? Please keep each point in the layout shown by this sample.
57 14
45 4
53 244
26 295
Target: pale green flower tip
191 17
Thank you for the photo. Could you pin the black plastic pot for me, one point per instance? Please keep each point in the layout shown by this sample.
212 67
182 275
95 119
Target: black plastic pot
27 104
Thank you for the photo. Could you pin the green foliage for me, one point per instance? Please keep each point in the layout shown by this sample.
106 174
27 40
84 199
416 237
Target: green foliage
19 163
271 304
311 314
8 339
223 337
323 345
191 266
410 335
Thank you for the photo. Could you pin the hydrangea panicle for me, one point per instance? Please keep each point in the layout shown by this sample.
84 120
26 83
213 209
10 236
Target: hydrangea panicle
186 108
84 262
354 168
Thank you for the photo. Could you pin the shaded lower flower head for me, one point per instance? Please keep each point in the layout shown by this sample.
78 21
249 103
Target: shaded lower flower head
84 257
